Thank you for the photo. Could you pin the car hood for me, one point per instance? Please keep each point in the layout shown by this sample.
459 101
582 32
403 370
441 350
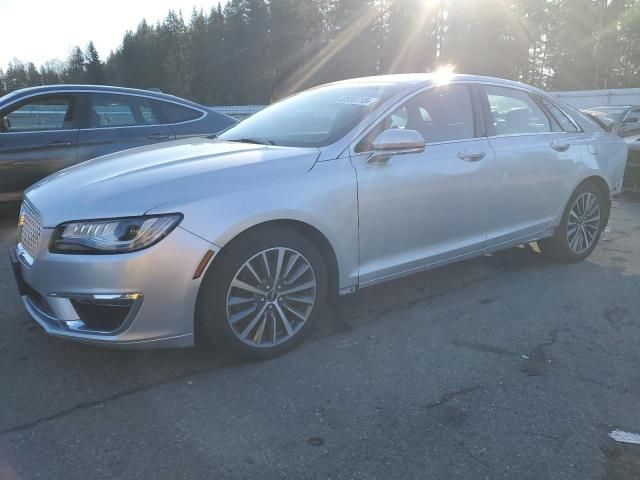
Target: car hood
134 181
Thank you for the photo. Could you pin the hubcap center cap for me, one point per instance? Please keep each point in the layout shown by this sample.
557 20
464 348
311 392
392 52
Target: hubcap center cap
272 296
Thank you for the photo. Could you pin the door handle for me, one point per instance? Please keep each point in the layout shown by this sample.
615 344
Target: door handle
560 147
158 136
471 156
59 143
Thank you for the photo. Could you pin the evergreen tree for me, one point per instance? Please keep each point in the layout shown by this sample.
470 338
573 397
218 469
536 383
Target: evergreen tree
93 66
75 67
16 76
255 51
173 37
34 78
50 72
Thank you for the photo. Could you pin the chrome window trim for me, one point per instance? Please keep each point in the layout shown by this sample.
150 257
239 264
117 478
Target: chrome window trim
434 144
41 131
533 134
58 92
351 147
579 129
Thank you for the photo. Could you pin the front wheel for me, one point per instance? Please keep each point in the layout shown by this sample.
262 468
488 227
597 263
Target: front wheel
263 294
582 223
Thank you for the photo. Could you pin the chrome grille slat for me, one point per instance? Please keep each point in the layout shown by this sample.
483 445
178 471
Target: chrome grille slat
30 229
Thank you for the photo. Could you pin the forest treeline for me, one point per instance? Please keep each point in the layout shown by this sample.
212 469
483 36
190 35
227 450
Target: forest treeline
255 51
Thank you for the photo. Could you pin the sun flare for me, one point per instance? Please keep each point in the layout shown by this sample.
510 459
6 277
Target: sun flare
443 74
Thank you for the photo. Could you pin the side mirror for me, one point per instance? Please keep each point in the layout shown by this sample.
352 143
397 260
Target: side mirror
631 120
5 124
396 141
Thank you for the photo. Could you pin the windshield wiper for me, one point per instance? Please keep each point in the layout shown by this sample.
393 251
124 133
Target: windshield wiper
257 141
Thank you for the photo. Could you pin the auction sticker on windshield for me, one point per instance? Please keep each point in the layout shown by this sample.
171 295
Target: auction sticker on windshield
357 100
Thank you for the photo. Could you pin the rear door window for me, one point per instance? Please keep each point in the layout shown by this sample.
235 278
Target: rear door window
514 112
108 110
149 111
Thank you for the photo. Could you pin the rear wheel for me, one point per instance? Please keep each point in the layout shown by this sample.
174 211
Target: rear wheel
582 223
263 294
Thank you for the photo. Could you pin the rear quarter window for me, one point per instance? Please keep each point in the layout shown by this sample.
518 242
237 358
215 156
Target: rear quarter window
174 113
558 115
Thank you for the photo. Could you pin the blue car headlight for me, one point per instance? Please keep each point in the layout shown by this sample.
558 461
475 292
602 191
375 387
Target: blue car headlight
112 235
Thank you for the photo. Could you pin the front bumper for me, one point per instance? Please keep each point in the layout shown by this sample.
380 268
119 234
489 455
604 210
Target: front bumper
140 299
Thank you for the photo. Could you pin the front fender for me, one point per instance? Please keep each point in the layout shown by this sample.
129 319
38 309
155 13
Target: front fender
324 198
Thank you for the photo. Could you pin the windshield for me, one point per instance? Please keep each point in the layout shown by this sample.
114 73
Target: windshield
314 118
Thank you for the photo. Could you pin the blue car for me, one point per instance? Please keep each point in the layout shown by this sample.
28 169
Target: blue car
44 129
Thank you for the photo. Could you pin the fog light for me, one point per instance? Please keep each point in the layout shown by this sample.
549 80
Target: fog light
102 313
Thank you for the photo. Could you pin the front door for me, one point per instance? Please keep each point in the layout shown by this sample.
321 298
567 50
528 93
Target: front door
420 209
37 137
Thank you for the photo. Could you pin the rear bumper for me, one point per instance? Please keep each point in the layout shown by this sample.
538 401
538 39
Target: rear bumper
142 299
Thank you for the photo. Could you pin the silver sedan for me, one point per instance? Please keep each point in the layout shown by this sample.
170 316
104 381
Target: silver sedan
243 238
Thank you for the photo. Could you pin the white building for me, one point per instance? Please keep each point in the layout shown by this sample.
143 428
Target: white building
600 98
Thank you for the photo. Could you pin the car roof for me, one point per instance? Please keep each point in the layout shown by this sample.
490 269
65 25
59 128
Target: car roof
103 89
418 80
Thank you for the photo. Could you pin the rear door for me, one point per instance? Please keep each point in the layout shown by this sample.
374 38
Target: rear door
534 164
117 122
39 137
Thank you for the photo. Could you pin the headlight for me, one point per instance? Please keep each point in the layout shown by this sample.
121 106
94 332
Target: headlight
113 235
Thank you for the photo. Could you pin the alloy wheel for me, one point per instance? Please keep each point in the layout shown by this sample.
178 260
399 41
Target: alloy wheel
271 297
583 223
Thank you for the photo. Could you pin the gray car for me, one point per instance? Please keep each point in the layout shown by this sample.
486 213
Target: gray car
623 119
45 129
242 239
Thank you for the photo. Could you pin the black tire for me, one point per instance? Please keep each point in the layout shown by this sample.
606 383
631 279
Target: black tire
211 308
557 246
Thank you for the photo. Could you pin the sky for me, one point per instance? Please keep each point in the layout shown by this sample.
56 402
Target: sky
41 30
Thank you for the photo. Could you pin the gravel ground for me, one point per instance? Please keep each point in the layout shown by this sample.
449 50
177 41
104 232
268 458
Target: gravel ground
506 366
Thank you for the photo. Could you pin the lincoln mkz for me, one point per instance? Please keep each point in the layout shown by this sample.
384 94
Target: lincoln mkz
243 238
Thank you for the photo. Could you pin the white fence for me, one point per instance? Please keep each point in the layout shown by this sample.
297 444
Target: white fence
238 111
577 99
600 98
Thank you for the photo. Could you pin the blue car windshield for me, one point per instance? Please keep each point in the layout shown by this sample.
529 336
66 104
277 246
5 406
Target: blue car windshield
313 118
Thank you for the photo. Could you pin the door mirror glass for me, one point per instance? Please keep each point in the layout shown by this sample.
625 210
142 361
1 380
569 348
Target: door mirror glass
399 140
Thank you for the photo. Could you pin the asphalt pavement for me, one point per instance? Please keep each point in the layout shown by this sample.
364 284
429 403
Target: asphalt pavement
505 366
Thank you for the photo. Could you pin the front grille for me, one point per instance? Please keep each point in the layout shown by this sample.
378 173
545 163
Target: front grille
30 226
